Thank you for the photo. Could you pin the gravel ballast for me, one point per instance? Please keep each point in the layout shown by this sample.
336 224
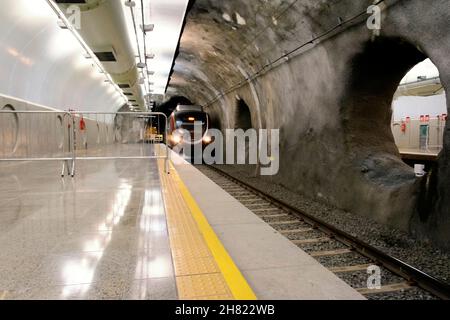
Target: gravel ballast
397 243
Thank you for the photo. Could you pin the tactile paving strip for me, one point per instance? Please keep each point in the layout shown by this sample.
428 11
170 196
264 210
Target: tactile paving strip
189 266
197 273
204 285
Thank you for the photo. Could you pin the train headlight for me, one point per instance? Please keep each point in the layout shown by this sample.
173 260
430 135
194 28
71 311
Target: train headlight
176 138
207 139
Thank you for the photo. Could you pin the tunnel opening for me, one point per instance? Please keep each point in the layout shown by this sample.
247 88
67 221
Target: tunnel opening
376 73
419 114
215 122
170 105
243 121
375 76
243 116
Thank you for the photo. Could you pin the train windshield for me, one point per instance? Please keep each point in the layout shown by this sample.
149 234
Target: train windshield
186 120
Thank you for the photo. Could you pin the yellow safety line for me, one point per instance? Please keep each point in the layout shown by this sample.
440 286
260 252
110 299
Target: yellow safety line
196 271
231 273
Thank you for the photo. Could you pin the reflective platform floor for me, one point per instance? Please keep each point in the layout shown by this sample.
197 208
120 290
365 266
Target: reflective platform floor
102 235
124 229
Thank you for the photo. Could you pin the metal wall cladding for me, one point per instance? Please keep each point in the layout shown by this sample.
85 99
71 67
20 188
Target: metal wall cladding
41 135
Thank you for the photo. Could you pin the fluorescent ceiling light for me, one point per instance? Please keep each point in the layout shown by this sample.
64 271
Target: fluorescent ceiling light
65 43
166 18
130 3
61 24
147 27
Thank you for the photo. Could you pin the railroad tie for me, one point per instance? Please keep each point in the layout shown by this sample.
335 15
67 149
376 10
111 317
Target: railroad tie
309 241
263 209
303 230
247 197
387 288
231 189
248 193
252 200
268 216
359 267
281 223
329 253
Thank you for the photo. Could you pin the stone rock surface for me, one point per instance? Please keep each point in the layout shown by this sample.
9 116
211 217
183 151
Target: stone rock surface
330 97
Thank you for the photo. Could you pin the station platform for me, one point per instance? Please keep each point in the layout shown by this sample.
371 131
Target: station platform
420 154
124 229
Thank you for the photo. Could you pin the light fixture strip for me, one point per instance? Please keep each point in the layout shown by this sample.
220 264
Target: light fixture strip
135 31
83 44
135 27
145 43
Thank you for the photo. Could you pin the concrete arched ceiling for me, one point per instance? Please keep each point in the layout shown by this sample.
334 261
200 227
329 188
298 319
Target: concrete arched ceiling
329 93
225 41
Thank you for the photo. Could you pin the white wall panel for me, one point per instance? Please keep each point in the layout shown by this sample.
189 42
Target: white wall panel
44 64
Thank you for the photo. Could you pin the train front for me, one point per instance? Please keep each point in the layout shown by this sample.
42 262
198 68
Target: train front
189 128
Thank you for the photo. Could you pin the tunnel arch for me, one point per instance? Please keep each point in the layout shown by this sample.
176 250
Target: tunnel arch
243 115
375 75
374 78
170 105
215 122
419 112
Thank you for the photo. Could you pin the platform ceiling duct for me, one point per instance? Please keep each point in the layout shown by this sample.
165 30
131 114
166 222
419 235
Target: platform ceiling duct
136 41
103 27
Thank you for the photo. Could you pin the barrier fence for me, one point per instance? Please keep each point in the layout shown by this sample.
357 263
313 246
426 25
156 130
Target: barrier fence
73 136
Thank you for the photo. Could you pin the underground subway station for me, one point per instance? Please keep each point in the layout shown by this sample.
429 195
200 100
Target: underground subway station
224 156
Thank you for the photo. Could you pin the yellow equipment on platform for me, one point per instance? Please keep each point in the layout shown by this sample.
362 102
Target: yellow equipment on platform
152 135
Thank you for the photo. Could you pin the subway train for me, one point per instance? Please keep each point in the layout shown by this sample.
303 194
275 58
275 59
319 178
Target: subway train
182 123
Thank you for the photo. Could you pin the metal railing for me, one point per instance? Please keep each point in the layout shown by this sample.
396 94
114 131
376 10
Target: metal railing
30 136
25 145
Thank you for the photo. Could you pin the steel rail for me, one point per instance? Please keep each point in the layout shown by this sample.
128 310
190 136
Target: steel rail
413 275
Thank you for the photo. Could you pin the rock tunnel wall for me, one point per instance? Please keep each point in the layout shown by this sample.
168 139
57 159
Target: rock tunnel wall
330 98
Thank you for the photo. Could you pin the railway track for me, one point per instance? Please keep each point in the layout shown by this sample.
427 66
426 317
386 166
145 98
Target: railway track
343 254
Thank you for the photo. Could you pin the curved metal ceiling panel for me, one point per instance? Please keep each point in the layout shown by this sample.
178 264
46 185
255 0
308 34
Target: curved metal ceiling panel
44 64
